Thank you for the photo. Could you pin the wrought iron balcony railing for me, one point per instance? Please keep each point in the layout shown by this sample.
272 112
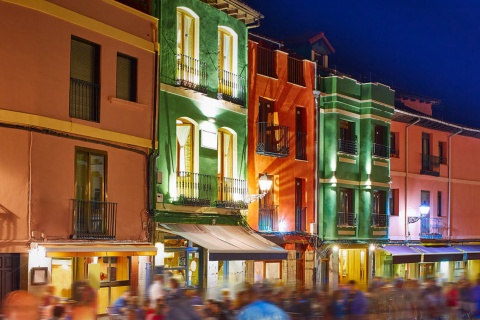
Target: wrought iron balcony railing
231 87
272 140
301 219
430 165
195 189
94 219
301 146
431 228
346 219
84 100
380 150
191 73
295 71
347 146
268 218
266 62
232 193
380 220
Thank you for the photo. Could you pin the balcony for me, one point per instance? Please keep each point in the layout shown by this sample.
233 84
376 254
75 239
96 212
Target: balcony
431 228
295 71
266 62
231 87
94 219
347 146
84 100
272 140
430 165
231 193
301 146
268 218
191 73
300 219
380 150
195 189
346 219
380 220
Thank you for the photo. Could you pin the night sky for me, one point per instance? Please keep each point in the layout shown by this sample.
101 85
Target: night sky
427 47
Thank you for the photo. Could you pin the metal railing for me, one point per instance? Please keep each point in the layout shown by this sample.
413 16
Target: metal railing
231 87
431 228
380 150
272 140
346 219
430 165
266 62
380 220
84 100
191 73
347 146
295 71
195 189
301 145
268 218
94 219
232 193
301 219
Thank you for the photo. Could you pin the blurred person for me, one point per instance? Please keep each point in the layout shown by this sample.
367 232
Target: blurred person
120 305
451 297
355 302
226 303
336 305
156 290
260 309
158 314
58 313
49 297
85 308
195 298
179 306
21 305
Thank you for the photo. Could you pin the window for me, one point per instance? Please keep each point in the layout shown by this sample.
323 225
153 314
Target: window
300 135
295 71
185 155
225 153
425 198
300 211
439 204
346 212
230 85
186 33
442 152
90 180
225 50
84 80
347 142
266 62
126 77
380 147
394 152
379 202
393 207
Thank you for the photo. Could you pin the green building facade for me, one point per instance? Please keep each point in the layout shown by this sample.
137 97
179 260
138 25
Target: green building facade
354 171
201 165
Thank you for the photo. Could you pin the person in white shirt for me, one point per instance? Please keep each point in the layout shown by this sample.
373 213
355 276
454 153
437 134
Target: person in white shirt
156 290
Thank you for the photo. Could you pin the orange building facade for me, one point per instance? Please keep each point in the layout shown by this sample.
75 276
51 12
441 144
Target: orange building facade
76 126
281 133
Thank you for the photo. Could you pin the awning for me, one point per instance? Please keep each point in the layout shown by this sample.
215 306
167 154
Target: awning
228 242
403 254
472 251
439 253
104 250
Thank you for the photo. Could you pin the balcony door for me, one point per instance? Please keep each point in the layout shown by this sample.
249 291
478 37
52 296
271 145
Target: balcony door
301 134
346 210
265 110
225 50
299 212
425 218
225 165
185 34
346 130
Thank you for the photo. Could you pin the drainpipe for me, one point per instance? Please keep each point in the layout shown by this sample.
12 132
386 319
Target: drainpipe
450 182
316 95
406 178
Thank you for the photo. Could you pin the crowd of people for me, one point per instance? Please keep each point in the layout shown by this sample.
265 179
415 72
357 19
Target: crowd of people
397 299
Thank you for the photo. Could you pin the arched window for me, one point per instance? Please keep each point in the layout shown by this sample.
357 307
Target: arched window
225 153
185 146
227 61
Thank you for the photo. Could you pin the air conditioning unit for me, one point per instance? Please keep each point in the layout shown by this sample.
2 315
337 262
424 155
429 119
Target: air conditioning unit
313 227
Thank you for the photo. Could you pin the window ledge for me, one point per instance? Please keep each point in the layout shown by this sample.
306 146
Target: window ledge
126 103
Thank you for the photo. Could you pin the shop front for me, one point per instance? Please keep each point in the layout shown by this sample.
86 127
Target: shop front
109 268
215 257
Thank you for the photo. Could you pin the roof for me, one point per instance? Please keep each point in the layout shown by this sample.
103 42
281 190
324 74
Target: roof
238 10
404 94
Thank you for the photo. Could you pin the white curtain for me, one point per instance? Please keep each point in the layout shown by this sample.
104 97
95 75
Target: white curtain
226 159
182 135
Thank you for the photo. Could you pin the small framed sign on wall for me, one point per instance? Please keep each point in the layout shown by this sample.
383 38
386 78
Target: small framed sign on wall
39 276
209 140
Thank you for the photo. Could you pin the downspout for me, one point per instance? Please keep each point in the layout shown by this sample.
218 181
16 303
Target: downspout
316 213
449 219
407 232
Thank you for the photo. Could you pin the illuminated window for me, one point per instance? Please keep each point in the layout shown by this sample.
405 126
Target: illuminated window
185 146
186 33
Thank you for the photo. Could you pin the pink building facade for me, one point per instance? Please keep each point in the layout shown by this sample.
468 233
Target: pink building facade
76 129
434 184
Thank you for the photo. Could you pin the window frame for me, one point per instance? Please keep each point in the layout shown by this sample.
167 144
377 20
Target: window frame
89 153
132 81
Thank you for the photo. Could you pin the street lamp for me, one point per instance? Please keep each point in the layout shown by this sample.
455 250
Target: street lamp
265 184
424 208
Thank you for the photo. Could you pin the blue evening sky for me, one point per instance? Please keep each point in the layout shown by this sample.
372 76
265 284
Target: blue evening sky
430 48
